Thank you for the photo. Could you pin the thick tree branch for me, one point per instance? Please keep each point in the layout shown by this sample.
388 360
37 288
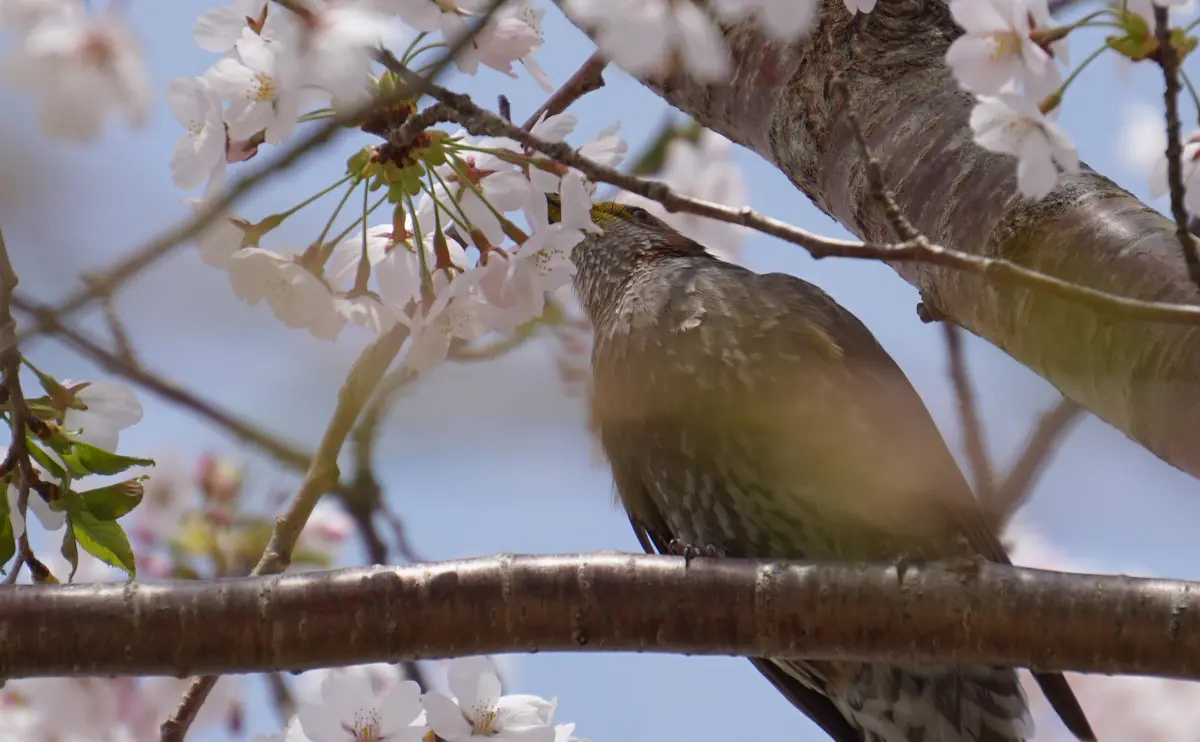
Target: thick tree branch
1089 232
322 475
1001 615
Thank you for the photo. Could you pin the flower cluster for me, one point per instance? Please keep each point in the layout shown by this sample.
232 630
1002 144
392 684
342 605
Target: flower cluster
1010 56
414 269
369 702
644 36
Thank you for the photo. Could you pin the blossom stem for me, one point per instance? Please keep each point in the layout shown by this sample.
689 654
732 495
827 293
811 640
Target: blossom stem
326 251
314 197
342 235
425 48
1187 81
363 274
426 279
1056 96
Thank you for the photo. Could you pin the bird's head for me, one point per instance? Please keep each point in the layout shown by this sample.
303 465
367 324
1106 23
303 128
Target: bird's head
633 243
631 230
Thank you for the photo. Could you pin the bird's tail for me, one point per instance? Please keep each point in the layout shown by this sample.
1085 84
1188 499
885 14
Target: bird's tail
925 703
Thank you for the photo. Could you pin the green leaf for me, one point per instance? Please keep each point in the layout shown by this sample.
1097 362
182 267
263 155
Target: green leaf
70 551
56 390
43 459
8 539
103 539
115 500
84 458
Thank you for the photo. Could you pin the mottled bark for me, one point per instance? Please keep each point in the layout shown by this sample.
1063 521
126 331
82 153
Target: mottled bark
604 603
1138 376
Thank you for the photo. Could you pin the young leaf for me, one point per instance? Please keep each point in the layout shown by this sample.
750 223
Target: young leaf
115 500
43 459
8 540
70 551
105 540
84 458
56 390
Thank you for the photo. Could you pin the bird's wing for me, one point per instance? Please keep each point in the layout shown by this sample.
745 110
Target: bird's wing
655 536
882 392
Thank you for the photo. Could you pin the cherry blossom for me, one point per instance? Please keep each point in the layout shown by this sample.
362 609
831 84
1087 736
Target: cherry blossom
781 19
326 530
262 86
703 170
333 45
1013 125
99 411
50 519
998 48
218 29
199 157
221 239
80 69
23 15
478 712
1142 139
859 6
1190 156
298 298
640 35
350 710
457 312
513 34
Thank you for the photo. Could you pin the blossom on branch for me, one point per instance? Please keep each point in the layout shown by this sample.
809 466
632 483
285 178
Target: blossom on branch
1013 125
479 713
81 68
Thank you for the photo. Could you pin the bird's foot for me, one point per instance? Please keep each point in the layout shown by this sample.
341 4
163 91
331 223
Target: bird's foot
966 565
905 562
690 551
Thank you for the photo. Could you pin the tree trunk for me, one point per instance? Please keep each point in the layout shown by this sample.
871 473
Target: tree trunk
1140 377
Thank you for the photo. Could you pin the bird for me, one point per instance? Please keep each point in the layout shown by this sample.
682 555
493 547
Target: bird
749 415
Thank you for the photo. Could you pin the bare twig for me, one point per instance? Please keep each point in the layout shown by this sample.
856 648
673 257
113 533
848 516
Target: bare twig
968 415
1002 615
587 78
164 388
481 123
364 377
1013 492
1168 59
17 459
117 329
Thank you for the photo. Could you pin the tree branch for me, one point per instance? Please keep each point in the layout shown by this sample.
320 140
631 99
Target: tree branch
1168 59
1001 615
1054 424
1086 242
322 475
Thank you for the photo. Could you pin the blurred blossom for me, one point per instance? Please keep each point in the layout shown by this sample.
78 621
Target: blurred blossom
703 170
1120 707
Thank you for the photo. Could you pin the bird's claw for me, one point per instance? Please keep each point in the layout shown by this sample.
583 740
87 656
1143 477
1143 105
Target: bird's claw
966 566
905 562
690 551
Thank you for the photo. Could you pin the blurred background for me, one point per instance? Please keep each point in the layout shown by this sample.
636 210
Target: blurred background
497 457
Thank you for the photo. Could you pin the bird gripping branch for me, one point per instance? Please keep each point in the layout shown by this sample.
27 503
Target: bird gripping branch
749 415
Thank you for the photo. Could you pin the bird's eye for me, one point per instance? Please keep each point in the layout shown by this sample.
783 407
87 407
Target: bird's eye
637 212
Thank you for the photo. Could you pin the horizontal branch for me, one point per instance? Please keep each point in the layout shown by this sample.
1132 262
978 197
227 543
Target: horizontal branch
605 602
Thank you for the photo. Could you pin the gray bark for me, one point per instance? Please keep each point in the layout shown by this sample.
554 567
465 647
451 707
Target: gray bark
1140 377
606 602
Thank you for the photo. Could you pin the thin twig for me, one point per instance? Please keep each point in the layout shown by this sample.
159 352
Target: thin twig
165 388
17 460
482 123
1168 59
968 415
117 329
322 474
1014 491
587 78
903 228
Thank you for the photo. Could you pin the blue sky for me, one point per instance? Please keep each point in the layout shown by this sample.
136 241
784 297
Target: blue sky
536 487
